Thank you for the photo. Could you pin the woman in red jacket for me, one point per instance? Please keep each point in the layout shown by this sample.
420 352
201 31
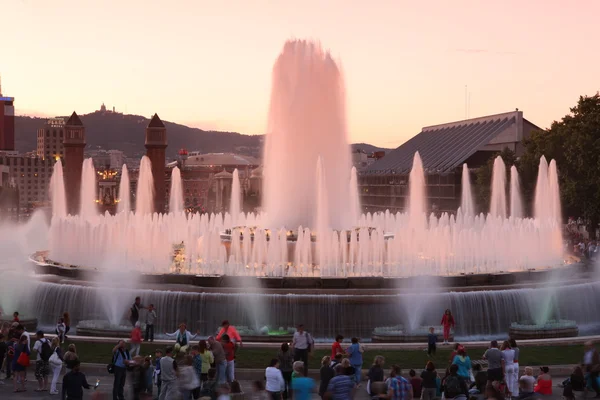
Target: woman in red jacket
447 322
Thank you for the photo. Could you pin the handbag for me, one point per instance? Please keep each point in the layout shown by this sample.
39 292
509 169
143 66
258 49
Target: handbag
55 360
23 359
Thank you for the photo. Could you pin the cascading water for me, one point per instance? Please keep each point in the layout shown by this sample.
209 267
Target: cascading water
57 191
307 108
466 201
498 199
516 208
89 206
235 207
176 193
124 205
144 197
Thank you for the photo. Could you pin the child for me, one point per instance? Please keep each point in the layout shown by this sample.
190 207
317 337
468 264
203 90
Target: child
61 330
136 340
448 323
16 317
156 373
150 318
431 342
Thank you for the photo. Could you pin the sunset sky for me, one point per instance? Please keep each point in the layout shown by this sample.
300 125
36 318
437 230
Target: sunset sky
208 63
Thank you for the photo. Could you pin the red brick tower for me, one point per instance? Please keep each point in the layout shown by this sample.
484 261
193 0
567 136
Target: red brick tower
156 143
74 143
7 122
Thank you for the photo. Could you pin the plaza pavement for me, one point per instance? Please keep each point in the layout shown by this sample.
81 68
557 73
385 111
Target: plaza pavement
105 388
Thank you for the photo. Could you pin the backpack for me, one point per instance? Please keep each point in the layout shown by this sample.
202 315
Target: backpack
46 351
453 387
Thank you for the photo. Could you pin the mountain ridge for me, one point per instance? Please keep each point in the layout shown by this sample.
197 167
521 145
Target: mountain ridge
126 132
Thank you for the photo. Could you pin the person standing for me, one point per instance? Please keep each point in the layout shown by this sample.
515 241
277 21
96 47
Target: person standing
495 359
336 347
431 342
511 374
156 373
188 380
207 360
60 329
591 361
54 365
230 330
341 386
229 349
67 321
302 345
463 361
428 383
448 323
168 368
326 373
121 359
136 340
275 384
70 358
134 312
220 361
42 365
20 364
150 318
286 359
72 384
356 359
197 364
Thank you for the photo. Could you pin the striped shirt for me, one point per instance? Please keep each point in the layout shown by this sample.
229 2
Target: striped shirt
400 388
341 387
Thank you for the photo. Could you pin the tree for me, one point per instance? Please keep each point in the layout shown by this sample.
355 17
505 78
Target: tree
574 143
484 178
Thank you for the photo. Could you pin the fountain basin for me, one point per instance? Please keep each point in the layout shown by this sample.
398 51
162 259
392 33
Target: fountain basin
551 329
30 324
399 334
266 334
103 328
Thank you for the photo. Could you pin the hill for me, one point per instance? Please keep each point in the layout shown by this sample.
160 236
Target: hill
126 133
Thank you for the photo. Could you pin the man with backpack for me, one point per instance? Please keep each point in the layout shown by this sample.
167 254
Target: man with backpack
42 364
455 386
120 362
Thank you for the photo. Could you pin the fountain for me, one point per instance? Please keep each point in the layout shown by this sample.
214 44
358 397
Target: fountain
57 191
145 188
466 200
89 206
124 204
311 255
235 207
176 192
516 208
498 202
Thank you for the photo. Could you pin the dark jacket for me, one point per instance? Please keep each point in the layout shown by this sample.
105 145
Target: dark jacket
73 382
327 374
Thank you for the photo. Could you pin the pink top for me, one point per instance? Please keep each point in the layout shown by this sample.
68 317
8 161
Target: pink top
231 332
136 335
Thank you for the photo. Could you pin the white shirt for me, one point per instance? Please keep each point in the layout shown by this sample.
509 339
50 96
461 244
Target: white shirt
509 356
588 357
38 347
302 340
275 382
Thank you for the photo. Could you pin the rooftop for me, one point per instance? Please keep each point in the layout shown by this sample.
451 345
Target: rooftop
211 159
444 147
74 120
155 122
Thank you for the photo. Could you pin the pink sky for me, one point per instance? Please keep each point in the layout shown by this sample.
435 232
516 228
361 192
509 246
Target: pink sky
208 63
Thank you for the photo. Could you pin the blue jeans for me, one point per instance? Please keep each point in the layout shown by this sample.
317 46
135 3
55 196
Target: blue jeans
357 372
221 372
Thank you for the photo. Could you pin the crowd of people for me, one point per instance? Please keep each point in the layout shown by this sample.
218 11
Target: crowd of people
192 369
